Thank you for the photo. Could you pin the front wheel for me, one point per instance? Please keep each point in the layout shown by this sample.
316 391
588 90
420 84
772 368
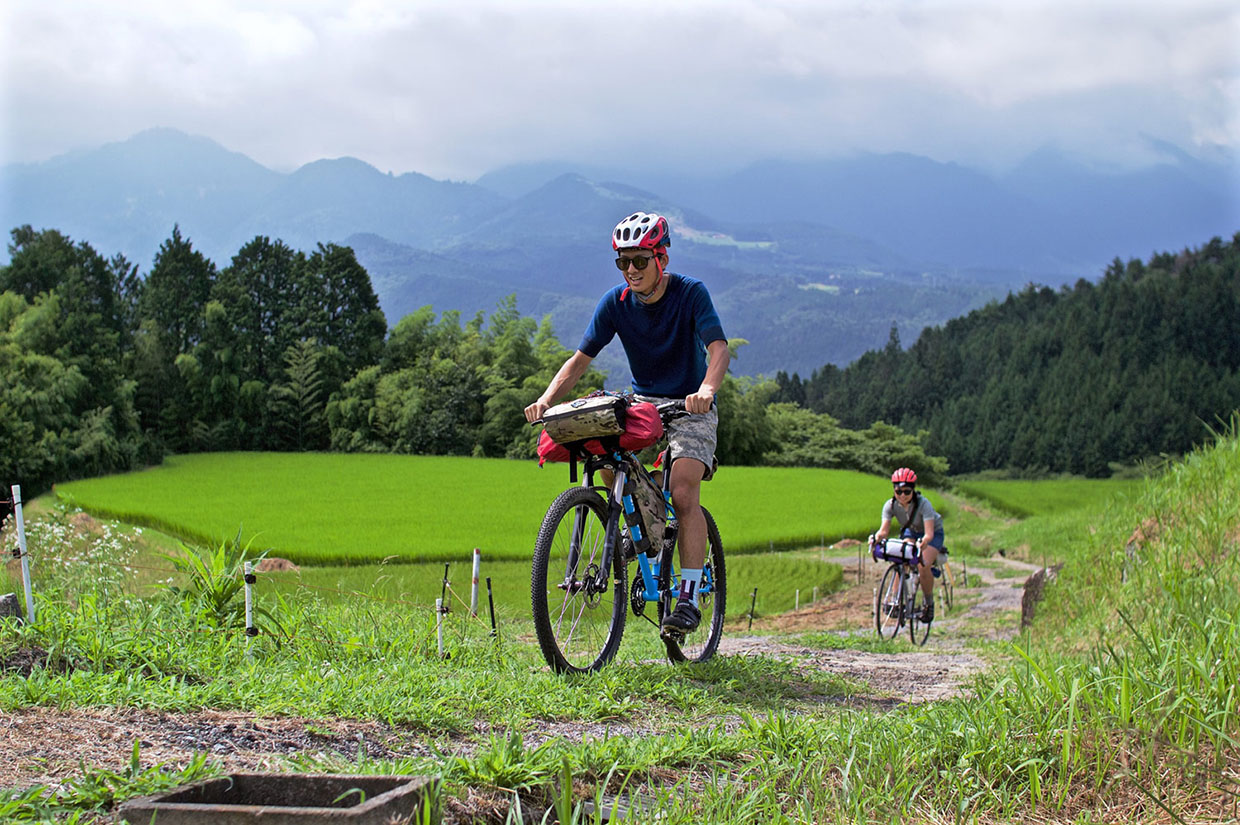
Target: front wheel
889 604
918 630
578 613
702 643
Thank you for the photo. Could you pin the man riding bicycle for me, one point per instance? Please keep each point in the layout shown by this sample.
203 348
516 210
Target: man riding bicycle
668 326
917 519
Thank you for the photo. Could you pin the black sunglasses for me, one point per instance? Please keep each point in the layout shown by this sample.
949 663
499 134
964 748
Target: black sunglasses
902 490
640 261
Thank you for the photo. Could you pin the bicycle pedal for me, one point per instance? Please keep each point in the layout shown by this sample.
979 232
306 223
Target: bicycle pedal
676 636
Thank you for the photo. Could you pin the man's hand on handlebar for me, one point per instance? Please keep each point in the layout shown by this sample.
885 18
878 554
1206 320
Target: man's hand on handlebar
535 411
699 402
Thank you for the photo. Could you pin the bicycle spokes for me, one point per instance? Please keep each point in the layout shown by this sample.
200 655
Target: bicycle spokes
578 608
701 644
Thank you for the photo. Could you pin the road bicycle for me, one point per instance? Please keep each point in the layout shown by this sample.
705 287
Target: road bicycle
899 599
579 585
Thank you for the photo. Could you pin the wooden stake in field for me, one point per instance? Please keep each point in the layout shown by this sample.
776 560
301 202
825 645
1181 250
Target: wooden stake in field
753 600
21 551
491 602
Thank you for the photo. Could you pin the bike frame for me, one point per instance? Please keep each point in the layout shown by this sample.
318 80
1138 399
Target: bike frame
622 464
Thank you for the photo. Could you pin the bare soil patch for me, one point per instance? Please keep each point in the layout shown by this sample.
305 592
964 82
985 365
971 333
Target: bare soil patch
44 745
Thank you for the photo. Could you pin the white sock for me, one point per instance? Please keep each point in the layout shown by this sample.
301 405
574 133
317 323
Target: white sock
690 579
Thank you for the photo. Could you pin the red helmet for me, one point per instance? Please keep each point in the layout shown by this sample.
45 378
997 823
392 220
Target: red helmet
904 476
642 230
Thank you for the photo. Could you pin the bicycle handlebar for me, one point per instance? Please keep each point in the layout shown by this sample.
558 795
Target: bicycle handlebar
668 411
671 410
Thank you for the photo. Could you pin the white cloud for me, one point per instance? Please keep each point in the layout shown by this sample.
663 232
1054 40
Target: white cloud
452 90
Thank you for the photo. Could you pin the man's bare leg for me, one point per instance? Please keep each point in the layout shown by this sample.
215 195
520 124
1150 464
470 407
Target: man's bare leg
686 488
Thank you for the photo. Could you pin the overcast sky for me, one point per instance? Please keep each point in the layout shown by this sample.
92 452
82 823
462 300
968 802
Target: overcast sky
455 89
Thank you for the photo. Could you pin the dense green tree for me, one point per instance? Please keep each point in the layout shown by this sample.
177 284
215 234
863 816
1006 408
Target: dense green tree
38 394
259 290
298 406
175 295
52 423
802 438
38 261
92 323
351 415
74 313
338 307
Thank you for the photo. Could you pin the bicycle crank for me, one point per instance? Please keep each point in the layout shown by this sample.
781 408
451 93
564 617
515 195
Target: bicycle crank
637 596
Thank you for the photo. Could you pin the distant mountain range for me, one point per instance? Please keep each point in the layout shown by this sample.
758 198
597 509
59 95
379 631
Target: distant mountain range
812 262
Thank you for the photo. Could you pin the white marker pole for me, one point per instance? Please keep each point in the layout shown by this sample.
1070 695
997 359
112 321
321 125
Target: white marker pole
439 623
21 549
250 630
473 593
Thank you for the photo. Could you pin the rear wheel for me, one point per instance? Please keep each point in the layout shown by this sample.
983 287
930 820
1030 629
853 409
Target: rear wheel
889 605
702 643
579 609
946 586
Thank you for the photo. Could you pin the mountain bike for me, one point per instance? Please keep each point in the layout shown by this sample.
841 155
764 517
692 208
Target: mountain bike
899 599
579 585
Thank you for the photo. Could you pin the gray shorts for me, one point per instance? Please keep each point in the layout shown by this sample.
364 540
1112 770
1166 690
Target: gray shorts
692 436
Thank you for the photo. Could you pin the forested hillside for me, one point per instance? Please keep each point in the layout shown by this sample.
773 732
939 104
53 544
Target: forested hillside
104 371
1139 364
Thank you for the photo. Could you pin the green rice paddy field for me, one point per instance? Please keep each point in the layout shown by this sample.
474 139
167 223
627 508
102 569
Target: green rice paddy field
1042 498
350 509
381 527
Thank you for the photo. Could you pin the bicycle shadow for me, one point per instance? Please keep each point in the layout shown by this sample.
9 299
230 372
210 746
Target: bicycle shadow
762 681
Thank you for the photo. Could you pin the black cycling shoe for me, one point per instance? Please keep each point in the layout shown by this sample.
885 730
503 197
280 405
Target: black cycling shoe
927 612
684 619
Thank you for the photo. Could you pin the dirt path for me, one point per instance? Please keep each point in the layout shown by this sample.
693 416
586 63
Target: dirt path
44 745
989 609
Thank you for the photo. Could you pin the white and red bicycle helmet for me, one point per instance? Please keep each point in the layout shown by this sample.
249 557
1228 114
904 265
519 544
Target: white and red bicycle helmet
643 230
904 476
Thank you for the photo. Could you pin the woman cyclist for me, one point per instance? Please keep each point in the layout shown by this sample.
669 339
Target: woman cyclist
917 519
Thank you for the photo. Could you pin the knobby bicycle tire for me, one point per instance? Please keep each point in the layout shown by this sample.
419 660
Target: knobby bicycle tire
578 630
918 631
889 604
702 643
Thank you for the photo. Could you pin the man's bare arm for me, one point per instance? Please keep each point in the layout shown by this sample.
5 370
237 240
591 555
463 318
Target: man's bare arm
565 379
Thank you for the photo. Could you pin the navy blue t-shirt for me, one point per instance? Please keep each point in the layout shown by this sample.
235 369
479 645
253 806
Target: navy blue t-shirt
665 341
